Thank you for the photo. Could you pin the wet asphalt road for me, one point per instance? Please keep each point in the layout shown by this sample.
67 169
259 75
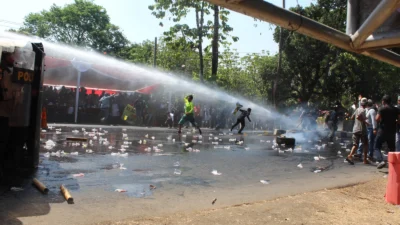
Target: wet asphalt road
134 158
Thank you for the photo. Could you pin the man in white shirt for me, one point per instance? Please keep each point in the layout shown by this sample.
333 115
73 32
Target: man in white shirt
371 127
359 132
105 104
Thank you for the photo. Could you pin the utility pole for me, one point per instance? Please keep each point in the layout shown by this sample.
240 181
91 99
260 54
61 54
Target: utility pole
279 70
155 53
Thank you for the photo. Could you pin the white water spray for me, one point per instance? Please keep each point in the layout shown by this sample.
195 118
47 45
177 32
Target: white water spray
132 75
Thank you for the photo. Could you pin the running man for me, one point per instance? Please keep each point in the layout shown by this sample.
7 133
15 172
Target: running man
241 119
189 114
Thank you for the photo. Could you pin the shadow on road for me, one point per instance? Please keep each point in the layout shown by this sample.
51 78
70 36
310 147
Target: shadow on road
19 198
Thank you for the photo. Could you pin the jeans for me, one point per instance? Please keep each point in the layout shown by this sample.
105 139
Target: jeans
371 143
380 139
397 141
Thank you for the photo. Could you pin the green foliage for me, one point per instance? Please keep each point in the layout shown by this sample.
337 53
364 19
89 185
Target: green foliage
81 23
318 72
176 10
311 70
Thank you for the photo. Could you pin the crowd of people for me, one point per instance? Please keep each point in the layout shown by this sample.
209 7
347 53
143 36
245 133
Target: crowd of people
149 109
374 124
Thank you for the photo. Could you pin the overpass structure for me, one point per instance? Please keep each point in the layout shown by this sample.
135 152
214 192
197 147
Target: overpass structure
372 25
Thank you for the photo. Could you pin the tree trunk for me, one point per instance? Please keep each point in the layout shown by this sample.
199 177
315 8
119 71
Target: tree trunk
200 21
215 53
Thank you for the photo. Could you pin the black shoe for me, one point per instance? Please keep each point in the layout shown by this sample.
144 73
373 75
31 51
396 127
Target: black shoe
200 131
349 161
381 165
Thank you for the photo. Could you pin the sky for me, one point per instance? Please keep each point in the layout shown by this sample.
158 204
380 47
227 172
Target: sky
135 20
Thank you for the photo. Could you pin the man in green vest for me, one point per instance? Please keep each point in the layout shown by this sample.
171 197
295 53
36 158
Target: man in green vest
189 114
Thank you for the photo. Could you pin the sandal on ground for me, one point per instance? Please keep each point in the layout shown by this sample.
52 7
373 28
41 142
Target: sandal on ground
349 161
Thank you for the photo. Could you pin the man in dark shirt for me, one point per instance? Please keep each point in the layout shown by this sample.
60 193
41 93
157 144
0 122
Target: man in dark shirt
398 128
387 118
331 122
240 120
139 105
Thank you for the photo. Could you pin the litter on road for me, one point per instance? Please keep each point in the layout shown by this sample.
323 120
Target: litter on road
215 172
16 189
300 166
78 175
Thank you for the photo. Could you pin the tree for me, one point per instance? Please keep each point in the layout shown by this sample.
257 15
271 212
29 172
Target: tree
81 23
139 52
204 28
309 61
215 53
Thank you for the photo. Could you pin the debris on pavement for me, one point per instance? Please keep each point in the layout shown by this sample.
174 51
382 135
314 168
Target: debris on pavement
40 186
214 201
215 172
264 181
49 144
152 187
16 189
177 172
300 166
66 194
78 175
121 166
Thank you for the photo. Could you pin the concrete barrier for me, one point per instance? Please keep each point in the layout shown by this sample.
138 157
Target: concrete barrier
393 185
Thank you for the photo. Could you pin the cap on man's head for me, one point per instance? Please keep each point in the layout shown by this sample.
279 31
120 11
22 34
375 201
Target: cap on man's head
370 102
364 101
